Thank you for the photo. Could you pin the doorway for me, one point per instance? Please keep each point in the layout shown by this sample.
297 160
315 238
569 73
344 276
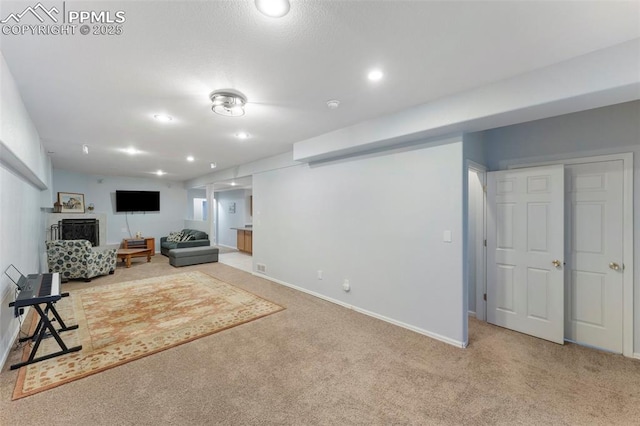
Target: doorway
597 227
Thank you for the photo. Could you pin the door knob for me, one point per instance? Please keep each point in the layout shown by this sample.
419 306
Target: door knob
614 266
556 263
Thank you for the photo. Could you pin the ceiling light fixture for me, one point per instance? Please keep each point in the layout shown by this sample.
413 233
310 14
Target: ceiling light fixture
190 158
333 104
163 118
273 8
233 183
228 103
85 149
375 75
214 165
242 135
160 173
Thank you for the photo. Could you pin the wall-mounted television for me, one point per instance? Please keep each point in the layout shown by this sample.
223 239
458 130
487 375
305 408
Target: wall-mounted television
137 201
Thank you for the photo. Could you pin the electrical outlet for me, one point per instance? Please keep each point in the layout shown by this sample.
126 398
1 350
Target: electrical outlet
319 274
346 286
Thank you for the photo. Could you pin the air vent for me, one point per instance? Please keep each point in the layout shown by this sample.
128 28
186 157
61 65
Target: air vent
261 267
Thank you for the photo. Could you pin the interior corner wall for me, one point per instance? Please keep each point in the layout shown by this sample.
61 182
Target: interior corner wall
228 219
100 190
21 217
473 151
600 131
377 221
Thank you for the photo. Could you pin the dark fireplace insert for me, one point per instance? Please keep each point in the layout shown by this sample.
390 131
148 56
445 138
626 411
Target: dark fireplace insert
78 229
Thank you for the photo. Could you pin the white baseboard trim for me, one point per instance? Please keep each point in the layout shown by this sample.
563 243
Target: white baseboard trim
418 330
472 314
636 355
229 247
7 350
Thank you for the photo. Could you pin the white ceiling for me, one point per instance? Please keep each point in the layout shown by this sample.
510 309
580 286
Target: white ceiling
103 90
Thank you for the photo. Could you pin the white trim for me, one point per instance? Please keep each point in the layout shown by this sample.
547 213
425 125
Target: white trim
418 330
627 233
471 314
481 285
229 247
636 355
7 351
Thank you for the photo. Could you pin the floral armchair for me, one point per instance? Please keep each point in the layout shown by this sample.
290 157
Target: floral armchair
77 259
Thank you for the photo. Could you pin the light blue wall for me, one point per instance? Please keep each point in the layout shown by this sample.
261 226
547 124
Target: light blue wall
100 190
22 228
377 220
191 194
227 220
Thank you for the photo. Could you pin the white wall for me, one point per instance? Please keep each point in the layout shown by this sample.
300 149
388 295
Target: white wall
613 129
21 217
100 190
378 221
226 220
191 194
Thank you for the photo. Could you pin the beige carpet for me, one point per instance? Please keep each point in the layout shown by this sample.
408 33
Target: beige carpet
316 363
122 322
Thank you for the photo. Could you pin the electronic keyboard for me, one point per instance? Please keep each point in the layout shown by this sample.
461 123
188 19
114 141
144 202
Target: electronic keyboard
39 288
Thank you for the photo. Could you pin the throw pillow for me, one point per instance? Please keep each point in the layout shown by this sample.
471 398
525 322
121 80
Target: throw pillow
186 237
175 236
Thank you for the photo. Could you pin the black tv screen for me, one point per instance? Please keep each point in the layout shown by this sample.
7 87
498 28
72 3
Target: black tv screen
137 201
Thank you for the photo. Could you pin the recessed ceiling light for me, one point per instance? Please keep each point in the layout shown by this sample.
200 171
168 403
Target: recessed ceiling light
85 149
160 173
233 183
333 104
273 8
130 151
242 135
214 165
190 158
163 118
375 75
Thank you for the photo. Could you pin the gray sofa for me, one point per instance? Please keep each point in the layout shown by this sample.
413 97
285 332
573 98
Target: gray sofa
200 239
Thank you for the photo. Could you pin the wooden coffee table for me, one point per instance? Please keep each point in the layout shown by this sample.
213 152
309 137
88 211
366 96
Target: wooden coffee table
126 254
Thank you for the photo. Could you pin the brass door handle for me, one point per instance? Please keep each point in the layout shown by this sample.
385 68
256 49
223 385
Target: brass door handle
556 263
614 266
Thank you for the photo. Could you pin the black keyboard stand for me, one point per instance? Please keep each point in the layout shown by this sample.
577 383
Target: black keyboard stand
44 325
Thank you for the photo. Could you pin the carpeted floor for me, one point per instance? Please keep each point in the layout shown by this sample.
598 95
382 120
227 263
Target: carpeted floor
318 363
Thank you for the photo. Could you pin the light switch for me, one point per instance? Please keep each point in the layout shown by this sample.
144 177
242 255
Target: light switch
446 237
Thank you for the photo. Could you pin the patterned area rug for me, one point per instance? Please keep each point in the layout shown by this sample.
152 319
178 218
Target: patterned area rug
122 322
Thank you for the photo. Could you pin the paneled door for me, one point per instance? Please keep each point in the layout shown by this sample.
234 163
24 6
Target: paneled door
525 251
594 273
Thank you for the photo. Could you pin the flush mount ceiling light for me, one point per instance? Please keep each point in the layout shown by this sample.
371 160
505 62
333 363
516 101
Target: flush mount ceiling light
242 135
273 8
190 158
375 75
229 104
163 118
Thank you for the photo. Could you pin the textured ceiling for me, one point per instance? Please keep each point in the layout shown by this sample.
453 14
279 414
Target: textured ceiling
103 90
